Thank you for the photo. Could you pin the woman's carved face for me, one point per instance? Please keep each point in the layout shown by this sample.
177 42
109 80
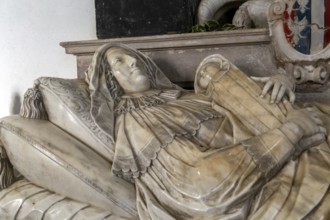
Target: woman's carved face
128 70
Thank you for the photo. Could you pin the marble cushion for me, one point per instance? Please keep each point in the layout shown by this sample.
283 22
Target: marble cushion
67 103
51 158
24 200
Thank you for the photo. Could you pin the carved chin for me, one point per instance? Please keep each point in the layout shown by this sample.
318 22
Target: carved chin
142 83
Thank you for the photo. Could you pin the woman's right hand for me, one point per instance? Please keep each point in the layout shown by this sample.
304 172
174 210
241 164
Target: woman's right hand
280 85
306 119
306 125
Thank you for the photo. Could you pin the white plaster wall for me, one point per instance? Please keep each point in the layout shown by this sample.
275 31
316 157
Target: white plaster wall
30 33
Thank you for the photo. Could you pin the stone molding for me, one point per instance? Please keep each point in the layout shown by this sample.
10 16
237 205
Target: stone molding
174 49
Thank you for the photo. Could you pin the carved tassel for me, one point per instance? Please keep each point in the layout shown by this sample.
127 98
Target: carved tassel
33 106
6 170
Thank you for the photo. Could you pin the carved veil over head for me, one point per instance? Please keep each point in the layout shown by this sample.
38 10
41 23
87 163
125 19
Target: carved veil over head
105 90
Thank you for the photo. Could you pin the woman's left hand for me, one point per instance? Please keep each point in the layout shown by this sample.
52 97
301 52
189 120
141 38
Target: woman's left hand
282 84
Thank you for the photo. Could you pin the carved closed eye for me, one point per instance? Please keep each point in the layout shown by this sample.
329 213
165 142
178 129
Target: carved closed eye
116 61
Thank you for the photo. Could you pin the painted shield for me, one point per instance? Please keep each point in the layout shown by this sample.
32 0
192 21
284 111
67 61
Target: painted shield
307 24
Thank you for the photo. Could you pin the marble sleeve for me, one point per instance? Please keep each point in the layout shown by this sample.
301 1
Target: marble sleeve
246 162
271 150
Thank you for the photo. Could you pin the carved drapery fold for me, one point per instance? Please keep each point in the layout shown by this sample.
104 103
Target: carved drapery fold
33 106
6 169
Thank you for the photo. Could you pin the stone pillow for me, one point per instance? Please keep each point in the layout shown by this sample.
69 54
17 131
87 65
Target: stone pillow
67 103
38 148
24 200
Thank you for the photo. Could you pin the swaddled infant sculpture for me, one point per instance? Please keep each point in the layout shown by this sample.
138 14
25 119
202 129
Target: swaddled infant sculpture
190 156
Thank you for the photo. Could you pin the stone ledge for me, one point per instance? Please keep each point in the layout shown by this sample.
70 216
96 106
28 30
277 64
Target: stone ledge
178 55
175 41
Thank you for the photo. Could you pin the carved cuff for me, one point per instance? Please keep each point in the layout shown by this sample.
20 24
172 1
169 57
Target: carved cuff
269 151
292 132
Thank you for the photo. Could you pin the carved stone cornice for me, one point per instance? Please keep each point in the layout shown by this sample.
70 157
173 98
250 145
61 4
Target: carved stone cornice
175 41
174 49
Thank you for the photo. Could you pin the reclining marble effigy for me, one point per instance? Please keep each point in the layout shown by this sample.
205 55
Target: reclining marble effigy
126 143
174 153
